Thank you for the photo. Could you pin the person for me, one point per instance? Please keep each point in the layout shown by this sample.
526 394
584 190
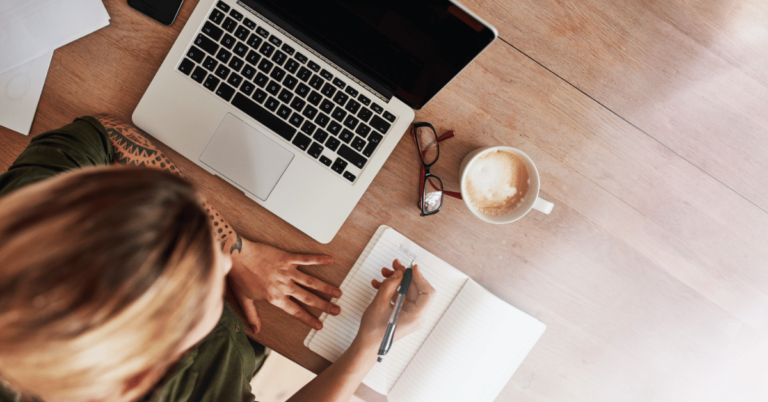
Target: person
112 277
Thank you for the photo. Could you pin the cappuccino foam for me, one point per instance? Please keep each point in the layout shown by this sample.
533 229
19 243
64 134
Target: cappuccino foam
497 183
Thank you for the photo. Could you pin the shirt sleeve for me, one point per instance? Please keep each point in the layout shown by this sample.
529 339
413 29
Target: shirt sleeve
82 143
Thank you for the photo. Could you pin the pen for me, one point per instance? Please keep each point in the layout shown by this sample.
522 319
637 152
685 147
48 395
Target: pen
386 343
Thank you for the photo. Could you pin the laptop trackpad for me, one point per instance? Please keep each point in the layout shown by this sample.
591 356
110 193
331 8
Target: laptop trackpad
246 156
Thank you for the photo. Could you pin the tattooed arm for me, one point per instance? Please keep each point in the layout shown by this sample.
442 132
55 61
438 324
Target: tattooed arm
259 271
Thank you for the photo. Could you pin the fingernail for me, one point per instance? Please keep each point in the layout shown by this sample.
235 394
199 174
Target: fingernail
335 310
398 273
319 325
337 293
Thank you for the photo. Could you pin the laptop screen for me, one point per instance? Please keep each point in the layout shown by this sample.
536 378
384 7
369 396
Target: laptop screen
411 48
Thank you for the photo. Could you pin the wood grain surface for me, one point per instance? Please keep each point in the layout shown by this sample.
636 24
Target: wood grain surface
646 121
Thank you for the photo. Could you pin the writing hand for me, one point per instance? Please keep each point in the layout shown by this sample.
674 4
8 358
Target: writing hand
417 301
262 272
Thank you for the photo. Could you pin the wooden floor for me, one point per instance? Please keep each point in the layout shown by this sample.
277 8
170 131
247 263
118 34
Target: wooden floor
649 124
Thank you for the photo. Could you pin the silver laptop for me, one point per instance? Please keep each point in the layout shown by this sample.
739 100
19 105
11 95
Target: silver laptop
298 103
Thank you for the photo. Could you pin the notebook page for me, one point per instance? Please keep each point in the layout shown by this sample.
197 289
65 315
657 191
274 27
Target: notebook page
339 331
472 353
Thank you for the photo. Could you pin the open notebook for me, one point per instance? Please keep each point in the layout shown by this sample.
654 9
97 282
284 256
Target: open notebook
471 344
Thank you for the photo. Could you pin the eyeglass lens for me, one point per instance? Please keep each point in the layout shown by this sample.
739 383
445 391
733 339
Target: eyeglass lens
433 195
427 139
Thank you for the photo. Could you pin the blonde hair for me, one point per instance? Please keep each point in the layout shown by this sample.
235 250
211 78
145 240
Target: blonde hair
102 274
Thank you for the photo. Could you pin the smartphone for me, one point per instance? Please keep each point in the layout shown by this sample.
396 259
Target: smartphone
164 11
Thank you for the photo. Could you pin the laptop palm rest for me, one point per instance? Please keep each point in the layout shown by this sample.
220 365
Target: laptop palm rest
246 156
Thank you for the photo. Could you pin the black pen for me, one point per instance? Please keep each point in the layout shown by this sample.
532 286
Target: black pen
386 343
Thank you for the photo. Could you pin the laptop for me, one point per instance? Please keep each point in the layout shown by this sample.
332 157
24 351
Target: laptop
298 103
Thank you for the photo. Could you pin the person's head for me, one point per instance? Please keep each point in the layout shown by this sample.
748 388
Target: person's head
107 275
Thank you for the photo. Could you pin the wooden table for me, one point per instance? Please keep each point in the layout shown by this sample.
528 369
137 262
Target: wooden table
649 125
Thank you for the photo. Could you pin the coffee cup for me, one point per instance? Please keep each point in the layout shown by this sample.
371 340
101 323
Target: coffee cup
501 184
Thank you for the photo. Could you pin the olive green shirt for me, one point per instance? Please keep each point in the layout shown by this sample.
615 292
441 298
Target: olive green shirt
221 366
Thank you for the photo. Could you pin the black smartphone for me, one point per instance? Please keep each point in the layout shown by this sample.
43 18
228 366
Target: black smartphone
164 11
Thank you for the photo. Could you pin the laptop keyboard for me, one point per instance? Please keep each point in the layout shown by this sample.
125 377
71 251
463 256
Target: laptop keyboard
294 96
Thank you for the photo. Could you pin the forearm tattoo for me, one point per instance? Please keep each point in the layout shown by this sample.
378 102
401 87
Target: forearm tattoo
132 147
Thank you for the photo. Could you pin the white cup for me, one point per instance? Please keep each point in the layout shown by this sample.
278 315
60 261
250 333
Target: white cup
531 200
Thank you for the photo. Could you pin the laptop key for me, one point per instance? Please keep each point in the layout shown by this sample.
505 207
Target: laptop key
284 111
362 130
358 144
206 44
325 160
216 16
380 125
242 33
234 80
199 75
252 57
285 95
240 49
273 88
254 41
333 143
310 112
222 72
302 141
304 74
212 30
275 40
339 166
292 65
259 95
265 65
296 120
223 55
315 150
346 136
364 100
263 32
298 104
210 64
349 176
247 88
316 82
267 49
228 41
288 49
261 80
314 98
301 58
222 5
278 74
313 66
389 116
327 75
186 66
375 138
195 54
302 90
376 108
225 92
236 15
339 83
236 63
320 136
352 106
365 114
339 114
308 127
229 25
352 156
211 82
368 151
279 58
322 119
250 24
271 104
340 98
351 91
290 82
258 113
248 71
334 128
328 90
351 122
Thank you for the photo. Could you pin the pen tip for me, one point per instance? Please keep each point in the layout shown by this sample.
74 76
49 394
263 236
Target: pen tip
378 360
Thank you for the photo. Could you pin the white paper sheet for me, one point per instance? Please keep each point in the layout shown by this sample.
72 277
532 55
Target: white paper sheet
20 90
30 29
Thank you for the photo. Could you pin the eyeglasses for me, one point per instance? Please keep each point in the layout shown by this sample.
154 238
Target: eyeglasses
428 145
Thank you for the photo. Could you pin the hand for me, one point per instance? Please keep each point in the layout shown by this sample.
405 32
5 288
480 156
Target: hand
262 272
417 301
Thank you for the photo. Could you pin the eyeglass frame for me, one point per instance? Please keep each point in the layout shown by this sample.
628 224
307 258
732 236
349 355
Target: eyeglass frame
425 174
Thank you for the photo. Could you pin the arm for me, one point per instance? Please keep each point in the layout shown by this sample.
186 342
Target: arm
339 382
259 271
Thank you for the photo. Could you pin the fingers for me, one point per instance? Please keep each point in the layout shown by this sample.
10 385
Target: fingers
310 259
299 313
249 309
423 287
313 300
388 288
317 284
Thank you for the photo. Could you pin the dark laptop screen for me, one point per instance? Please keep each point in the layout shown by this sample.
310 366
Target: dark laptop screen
408 48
